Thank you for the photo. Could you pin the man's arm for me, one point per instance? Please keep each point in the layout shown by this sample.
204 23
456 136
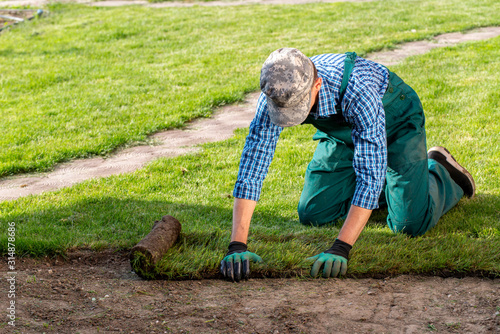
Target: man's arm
255 160
370 163
334 260
236 264
242 215
354 224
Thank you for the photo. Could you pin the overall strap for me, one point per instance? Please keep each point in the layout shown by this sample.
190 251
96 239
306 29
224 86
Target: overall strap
348 66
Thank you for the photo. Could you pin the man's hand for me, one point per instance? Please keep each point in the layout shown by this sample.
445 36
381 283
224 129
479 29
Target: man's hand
236 264
333 260
332 265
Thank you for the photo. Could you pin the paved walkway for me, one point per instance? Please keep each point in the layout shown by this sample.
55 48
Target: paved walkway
173 143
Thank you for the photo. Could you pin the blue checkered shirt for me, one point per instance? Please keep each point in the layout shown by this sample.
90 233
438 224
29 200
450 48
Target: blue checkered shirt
361 107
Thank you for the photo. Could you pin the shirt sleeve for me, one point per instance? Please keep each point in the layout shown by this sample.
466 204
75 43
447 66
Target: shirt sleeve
257 154
370 147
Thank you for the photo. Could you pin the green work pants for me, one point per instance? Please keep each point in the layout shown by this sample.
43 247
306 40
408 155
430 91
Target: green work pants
417 191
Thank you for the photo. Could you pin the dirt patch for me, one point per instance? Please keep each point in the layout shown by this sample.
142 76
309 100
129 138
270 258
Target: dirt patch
173 143
98 292
10 16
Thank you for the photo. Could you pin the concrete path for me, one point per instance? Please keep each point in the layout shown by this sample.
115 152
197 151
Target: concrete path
173 143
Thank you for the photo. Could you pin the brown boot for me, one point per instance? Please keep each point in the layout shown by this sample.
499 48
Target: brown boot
458 174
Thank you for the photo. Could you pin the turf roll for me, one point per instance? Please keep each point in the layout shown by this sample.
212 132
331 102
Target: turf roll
145 255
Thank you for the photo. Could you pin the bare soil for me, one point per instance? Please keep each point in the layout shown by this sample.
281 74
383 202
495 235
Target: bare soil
21 14
98 293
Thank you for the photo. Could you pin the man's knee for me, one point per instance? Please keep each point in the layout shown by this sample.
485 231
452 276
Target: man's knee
411 228
312 214
307 216
409 218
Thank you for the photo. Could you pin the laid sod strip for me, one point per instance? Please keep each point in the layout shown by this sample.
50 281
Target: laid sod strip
459 92
84 81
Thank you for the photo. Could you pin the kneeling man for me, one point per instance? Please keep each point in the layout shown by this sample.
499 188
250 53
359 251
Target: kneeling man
371 151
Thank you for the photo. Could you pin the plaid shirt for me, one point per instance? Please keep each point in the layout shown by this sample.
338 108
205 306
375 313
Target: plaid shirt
361 107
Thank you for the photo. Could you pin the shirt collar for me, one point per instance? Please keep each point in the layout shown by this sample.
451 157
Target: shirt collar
326 101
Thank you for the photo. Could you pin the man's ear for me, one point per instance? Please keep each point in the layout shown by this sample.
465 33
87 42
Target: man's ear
318 83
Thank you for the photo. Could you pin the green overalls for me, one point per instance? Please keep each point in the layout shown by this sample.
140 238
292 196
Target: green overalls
418 191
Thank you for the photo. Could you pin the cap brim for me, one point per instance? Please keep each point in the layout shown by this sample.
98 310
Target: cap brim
290 116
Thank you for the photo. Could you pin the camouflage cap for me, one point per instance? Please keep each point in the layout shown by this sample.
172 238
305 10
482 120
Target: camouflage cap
286 79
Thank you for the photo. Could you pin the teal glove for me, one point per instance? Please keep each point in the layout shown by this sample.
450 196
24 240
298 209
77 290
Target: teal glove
332 265
236 264
333 260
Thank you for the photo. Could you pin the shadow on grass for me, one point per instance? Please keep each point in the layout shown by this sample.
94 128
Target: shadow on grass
109 223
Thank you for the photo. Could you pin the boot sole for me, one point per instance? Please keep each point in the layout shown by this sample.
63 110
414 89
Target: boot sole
457 172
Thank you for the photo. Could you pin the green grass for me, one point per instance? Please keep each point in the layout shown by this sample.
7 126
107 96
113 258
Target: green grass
459 91
189 1
84 81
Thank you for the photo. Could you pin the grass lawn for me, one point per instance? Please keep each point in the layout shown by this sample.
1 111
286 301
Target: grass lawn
189 1
84 81
459 90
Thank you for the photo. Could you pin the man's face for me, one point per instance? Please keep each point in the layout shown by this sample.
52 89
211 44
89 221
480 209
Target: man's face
314 92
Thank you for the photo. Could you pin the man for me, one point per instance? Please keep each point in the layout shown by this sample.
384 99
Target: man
371 151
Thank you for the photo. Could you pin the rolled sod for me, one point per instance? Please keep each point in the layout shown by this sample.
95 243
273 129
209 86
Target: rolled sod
145 255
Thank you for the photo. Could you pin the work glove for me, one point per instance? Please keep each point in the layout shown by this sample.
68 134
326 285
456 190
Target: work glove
236 264
333 260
